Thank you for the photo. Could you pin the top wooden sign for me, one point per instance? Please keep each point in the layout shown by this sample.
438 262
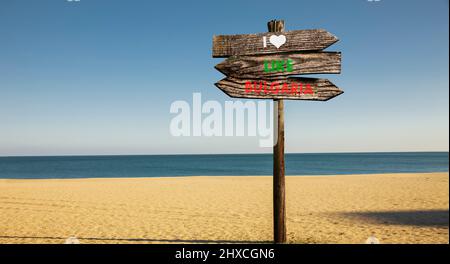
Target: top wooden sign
272 42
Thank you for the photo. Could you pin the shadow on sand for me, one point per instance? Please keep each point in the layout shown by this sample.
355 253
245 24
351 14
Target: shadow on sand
421 218
148 240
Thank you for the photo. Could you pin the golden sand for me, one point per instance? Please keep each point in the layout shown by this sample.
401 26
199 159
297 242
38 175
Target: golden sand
396 208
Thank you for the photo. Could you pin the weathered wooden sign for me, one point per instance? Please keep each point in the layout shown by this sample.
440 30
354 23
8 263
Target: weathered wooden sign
260 59
290 88
280 65
260 66
269 43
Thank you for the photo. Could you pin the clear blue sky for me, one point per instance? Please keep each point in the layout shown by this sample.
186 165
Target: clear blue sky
98 77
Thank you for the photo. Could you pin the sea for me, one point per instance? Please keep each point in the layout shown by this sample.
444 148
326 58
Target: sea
66 167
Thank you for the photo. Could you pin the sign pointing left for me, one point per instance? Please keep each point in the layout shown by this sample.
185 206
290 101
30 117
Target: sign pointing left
280 65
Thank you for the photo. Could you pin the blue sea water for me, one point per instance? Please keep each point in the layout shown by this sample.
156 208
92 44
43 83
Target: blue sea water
236 164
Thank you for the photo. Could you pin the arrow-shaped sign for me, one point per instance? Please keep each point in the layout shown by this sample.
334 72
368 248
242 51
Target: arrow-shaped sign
279 65
269 43
290 88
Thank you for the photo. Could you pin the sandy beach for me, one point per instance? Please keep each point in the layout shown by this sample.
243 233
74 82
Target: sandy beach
396 208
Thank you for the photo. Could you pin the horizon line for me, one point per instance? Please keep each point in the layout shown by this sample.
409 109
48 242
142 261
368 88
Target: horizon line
203 154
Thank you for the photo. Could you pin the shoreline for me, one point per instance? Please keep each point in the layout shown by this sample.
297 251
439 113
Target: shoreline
246 176
397 208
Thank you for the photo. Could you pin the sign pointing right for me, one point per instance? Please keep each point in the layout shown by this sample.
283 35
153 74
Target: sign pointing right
269 43
291 88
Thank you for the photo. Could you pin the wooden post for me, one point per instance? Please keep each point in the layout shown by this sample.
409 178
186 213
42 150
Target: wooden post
279 203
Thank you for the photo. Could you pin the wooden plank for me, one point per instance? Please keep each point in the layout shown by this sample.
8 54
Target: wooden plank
253 44
294 88
291 64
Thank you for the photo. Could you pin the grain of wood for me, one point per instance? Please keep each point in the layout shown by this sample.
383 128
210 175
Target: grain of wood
302 63
279 186
252 44
323 89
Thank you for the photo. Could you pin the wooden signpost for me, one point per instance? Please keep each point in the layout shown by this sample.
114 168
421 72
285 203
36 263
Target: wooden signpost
260 66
